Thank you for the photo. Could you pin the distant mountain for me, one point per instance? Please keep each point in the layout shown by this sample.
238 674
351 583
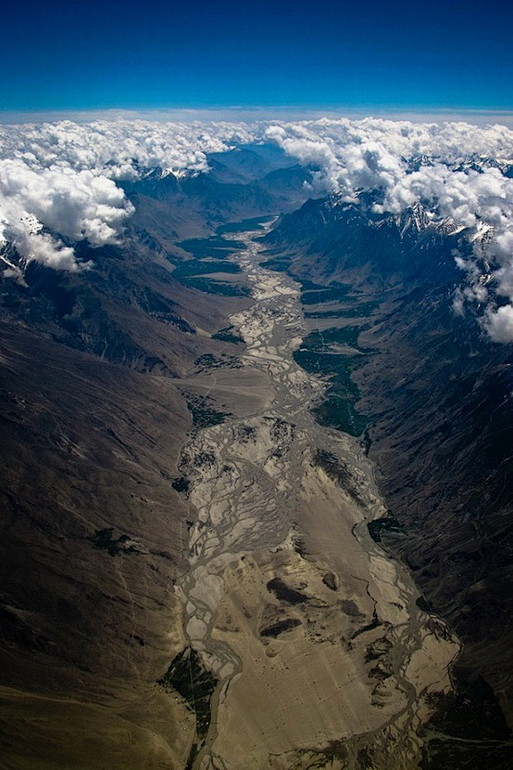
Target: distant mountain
248 162
174 208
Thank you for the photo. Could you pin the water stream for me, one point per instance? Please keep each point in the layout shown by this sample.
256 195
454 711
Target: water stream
245 474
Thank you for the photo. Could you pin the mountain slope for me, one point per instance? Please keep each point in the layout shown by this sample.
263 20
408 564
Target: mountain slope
95 408
437 396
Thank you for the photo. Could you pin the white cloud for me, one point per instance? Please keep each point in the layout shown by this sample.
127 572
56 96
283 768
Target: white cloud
62 177
458 176
499 323
73 204
118 148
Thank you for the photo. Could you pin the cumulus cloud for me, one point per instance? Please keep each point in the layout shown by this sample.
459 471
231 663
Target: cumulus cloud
61 181
119 149
76 205
499 323
62 176
455 170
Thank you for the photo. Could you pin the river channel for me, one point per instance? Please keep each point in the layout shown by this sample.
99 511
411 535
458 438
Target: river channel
246 476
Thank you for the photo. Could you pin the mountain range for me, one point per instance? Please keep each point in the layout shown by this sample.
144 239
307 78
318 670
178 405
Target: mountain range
101 371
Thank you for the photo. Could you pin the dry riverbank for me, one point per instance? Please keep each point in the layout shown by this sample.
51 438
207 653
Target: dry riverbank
320 653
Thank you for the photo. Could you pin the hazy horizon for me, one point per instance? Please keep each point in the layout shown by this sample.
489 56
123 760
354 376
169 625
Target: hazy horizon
476 116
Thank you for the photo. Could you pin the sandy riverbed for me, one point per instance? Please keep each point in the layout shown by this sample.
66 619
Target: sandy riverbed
344 663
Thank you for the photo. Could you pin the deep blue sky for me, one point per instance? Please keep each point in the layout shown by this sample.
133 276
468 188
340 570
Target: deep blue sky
326 53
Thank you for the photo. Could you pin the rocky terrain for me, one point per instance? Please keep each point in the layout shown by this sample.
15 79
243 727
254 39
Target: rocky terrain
318 652
255 490
430 393
94 536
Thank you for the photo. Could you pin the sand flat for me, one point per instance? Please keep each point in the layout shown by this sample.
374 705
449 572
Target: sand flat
311 630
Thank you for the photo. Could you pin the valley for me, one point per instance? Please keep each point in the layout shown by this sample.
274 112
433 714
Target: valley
314 637
256 486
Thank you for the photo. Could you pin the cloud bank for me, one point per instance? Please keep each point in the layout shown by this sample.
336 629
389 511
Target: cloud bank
61 177
59 182
457 171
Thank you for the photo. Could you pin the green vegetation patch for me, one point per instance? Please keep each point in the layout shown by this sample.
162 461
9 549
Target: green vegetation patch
187 676
209 256
203 413
191 267
318 355
345 335
338 407
216 246
257 223
308 285
330 294
226 335
389 525
338 411
337 472
278 265
104 540
280 627
329 579
350 310
211 286
210 361
181 484
285 593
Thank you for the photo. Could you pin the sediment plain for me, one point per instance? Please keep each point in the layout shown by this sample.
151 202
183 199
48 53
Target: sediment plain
317 651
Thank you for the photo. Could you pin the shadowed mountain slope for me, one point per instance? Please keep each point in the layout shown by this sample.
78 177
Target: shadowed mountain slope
93 534
437 397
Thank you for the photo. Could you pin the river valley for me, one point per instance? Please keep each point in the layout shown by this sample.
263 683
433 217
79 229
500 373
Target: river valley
318 652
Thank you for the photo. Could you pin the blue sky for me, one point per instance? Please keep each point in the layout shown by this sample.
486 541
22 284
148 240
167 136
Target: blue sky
124 54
